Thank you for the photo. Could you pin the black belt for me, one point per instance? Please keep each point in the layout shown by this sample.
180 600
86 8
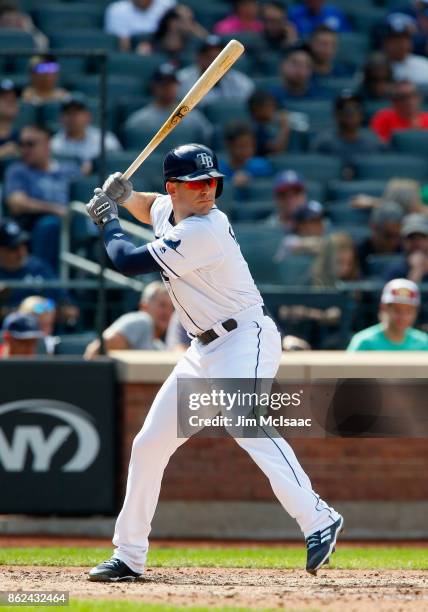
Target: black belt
210 335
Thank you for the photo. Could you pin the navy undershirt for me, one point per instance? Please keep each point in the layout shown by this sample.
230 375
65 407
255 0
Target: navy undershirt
125 256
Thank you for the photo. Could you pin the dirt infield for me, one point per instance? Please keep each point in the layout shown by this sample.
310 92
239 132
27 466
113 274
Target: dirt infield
332 590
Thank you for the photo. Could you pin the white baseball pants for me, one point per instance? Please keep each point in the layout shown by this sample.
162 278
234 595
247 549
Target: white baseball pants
253 350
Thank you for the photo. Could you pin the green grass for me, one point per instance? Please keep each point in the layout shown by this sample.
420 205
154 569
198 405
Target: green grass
379 557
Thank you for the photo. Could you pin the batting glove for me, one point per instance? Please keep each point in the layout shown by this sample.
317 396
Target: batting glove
101 208
118 188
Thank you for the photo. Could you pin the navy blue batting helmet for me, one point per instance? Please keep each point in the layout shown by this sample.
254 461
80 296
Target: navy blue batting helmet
191 162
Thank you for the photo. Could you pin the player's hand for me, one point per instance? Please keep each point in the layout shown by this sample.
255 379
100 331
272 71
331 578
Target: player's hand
101 208
117 188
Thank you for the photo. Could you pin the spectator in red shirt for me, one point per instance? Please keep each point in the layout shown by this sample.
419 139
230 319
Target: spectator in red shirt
404 114
244 19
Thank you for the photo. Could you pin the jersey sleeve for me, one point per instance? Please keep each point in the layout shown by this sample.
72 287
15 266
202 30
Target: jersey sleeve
189 246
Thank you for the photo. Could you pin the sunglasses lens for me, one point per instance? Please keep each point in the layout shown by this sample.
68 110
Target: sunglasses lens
197 185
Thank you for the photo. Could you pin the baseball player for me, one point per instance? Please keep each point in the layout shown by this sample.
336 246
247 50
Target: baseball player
219 305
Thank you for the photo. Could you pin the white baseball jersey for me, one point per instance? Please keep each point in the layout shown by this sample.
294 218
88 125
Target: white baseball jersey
203 268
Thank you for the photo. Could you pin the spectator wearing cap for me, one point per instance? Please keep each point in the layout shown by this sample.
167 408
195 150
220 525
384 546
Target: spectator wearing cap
12 18
44 310
307 231
270 123
385 226
349 138
309 14
377 79
404 114
289 193
399 305
242 165
9 109
17 265
397 44
278 32
36 191
21 334
244 19
324 47
164 88
233 85
414 263
44 74
78 138
418 10
127 18
297 75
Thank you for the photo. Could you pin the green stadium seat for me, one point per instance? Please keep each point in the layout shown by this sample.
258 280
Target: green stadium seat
223 111
77 15
266 82
364 19
259 245
410 141
353 48
357 231
138 138
336 85
118 87
253 210
208 13
88 40
391 166
141 67
16 39
378 265
319 112
74 344
341 213
82 190
311 166
341 190
371 107
27 115
295 269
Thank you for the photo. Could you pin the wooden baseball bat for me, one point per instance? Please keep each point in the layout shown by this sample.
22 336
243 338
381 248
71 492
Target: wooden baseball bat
206 81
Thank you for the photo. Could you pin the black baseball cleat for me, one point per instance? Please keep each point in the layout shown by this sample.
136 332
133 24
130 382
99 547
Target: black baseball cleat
321 545
113 570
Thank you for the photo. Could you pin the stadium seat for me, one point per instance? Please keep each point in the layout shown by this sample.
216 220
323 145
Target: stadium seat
335 85
16 39
223 111
311 166
89 40
208 13
118 87
74 344
77 15
378 265
410 141
254 210
319 112
391 166
353 48
342 190
341 213
365 19
141 67
137 138
295 270
356 231
27 115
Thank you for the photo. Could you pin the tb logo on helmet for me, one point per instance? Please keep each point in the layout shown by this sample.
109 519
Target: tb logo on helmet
204 160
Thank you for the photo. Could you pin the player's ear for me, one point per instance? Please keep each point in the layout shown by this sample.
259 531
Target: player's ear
171 188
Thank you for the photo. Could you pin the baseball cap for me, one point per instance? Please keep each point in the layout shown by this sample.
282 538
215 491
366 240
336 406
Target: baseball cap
75 102
399 23
415 223
7 85
22 326
11 234
308 211
211 42
401 291
287 180
165 72
345 96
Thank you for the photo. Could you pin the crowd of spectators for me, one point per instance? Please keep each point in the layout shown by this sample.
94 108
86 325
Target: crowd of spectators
299 96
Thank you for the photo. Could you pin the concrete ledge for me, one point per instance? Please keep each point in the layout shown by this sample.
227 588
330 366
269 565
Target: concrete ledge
239 520
155 366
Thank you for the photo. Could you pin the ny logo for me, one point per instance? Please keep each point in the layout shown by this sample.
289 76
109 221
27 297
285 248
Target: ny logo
205 160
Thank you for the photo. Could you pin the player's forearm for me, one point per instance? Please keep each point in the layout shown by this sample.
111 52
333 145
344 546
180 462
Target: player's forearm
125 256
139 205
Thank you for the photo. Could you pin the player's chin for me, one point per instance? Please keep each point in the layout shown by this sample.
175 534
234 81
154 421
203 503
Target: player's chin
204 207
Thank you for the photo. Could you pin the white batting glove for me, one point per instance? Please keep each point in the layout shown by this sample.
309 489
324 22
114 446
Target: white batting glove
118 188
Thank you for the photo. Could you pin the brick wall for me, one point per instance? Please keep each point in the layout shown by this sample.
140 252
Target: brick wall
340 469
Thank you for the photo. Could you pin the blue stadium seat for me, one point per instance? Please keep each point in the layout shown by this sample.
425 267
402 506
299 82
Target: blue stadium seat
16 39
138 138
319 112
141 67
391 166
341 213
378 265
76 15
223 111
353 47
84 40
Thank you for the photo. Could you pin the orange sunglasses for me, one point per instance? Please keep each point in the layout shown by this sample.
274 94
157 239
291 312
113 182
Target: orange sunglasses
200 184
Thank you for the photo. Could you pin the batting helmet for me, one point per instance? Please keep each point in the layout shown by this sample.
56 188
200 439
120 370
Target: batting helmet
191 162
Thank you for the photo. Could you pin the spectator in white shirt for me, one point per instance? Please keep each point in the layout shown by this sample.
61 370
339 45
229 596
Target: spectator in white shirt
233 85
78 138
397 44
127 18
